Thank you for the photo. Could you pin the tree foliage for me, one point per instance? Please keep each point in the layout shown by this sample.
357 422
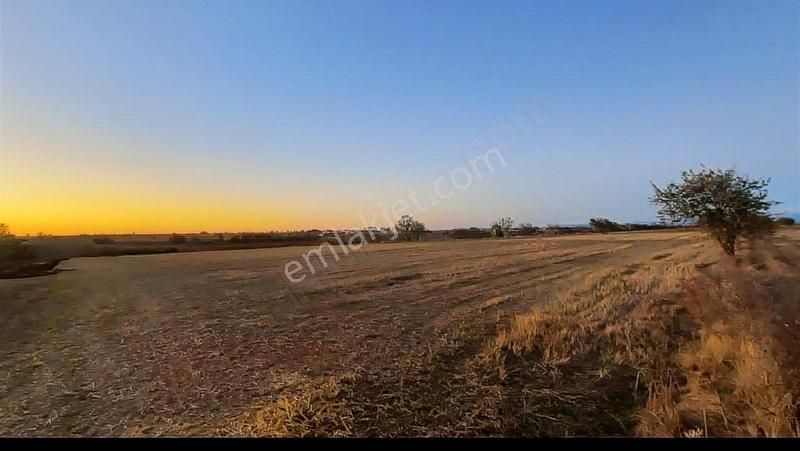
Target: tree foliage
726 204
604 225
409 228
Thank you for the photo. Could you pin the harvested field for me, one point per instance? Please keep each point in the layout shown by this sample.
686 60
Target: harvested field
572 335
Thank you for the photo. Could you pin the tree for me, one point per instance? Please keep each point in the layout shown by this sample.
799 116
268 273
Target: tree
502 227
725 204
603 225
786 221
409 228
4 230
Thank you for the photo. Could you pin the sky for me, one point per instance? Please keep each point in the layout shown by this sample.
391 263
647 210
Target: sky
159 116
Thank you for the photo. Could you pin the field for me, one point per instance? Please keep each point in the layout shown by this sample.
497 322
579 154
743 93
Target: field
643 333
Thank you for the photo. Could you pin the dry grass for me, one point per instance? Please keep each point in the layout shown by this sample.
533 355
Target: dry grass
303 413
740 371
717 350
625 334
600 309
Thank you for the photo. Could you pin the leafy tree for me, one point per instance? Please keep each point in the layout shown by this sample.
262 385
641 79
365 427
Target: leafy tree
409 228
603 225
502 227
786 221
725 204
5 231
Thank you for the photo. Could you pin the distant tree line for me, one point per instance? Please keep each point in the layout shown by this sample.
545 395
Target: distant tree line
270 237
470 233
726 205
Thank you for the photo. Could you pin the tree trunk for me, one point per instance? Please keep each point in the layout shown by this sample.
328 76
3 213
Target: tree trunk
729 244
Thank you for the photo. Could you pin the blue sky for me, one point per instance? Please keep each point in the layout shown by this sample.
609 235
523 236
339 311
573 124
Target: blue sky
293 114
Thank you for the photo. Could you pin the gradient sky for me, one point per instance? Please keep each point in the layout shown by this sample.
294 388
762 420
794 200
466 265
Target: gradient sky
162 116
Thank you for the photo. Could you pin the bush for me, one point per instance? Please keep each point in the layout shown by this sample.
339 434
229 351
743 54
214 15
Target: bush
15 250
527 229
272 237
785 221
603 225
409 228
472 233
634 227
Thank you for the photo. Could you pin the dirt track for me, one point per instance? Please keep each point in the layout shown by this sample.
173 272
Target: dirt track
167 343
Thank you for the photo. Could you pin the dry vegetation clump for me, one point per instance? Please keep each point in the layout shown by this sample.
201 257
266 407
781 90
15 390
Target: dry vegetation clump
299 412
715 350
442 395
604 340
580 321
740 373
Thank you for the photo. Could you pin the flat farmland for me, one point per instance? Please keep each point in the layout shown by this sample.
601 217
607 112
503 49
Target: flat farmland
219 342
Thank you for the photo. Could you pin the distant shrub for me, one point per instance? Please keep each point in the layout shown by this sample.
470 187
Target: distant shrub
785 221
603 225
273 237
472 233
15 250
634 227
103 240
527 229
551 230
177 239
